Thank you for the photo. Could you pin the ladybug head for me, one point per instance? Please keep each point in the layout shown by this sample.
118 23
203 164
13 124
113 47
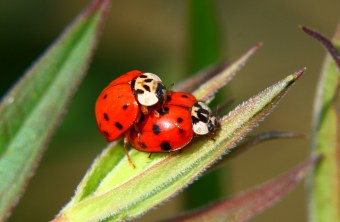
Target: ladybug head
203 120
149 89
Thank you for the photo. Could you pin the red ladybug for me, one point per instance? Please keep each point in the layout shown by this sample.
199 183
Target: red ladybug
119 105
174 126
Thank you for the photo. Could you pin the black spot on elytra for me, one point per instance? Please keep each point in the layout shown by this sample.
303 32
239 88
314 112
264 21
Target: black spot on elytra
125 106
148 80
165 146
143 145
139 91
106 117
179 119
105 96
118 125
146 87
194 120
156 129
184 96
143 76
106 133
164 111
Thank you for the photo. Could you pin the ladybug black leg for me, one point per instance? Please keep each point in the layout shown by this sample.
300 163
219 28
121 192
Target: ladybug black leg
126 141
149 155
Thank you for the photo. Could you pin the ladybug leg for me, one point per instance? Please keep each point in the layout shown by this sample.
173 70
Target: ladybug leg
144 109
156 113
136 128
126 141
138 132
149 155
212 136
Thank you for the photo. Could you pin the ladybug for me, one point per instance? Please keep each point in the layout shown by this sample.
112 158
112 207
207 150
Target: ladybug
120 104
179 119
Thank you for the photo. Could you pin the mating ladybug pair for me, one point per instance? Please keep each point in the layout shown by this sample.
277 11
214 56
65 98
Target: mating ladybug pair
138 106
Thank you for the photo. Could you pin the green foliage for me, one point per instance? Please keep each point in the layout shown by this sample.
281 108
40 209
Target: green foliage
31 111
325 187
112 190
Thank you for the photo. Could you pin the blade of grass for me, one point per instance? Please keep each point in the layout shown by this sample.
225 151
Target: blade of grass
128 192
32 109
248 204
325 182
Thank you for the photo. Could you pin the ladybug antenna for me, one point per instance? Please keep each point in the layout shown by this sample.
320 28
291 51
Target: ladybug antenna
168 88
222 107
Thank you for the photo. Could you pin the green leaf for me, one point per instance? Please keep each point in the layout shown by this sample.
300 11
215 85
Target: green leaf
248 204
32 109
325 181
127 192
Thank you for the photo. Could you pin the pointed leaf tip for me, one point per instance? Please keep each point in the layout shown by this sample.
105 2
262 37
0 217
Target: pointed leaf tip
95 4
259 45
295 76
329 46
299 73
211 86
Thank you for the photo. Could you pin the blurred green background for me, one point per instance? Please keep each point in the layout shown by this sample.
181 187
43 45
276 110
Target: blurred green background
153 36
